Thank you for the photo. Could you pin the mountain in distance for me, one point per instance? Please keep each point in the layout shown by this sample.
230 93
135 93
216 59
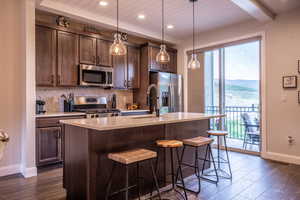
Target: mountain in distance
246 85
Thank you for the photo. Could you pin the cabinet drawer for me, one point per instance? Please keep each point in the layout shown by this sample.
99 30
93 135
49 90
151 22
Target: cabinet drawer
53 121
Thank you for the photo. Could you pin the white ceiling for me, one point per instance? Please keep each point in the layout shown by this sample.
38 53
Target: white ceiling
280 6
210 14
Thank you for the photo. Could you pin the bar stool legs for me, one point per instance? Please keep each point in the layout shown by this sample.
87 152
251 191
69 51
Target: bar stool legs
220 159
126 159
178 173
226 150
110 181
209 153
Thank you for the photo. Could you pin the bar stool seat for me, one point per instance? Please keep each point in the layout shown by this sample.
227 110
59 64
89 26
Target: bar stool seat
169 143
198 141
217 133
132 156
126 159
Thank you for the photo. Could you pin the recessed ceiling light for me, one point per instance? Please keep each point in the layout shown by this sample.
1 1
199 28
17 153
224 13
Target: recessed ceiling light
170 26
103 3
141 16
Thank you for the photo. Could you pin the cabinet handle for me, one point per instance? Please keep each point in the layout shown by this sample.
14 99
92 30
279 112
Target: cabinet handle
125 83
129 83
52 79
58 79
97 60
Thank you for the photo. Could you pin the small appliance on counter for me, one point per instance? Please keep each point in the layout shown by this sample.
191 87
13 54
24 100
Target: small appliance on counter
39 109
92 106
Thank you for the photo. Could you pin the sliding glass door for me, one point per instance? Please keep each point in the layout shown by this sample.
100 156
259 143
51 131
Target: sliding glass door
232 86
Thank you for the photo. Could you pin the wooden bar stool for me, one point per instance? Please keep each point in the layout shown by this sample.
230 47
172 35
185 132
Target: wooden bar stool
127 158
173 145
196 143
220 160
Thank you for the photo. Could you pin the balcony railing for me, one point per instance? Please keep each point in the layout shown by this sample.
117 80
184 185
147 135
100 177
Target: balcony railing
233 122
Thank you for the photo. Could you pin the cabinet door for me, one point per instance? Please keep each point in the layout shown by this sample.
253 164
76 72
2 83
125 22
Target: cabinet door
67 52
87 50
172 65
48 145
45 56
154 65
120 71
133 67
103 56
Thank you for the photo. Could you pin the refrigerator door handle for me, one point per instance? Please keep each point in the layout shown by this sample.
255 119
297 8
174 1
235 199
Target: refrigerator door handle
170 99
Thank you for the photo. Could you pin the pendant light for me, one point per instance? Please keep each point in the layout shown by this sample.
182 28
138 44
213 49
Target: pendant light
194 62
163 57
118 48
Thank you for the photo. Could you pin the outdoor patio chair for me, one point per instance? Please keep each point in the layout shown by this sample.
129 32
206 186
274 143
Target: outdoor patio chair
252 129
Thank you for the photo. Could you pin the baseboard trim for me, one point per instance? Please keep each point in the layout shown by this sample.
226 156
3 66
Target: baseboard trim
282 158
9 170
29 172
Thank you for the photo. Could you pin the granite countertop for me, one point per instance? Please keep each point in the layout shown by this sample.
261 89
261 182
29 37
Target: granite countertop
59 114
120 122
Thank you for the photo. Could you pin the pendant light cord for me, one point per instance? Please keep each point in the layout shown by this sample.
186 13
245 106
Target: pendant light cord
117 16
193 27
163 22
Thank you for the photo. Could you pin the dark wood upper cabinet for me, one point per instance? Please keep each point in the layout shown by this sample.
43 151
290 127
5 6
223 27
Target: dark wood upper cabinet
67 57
45 56
103 56
88 50
133 67
48 145
120 72
172 65
152 60
155 66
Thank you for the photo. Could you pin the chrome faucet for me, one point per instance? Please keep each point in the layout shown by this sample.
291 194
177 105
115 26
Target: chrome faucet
157 107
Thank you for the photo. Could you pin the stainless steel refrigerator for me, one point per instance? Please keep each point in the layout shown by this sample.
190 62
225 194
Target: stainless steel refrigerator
170 88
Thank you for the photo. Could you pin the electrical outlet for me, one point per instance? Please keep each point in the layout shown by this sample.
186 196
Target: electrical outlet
291 140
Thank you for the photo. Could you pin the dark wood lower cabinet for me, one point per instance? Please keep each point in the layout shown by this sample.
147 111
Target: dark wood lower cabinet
50 140
49 148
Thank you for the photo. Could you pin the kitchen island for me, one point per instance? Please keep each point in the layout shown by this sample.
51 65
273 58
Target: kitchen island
88 141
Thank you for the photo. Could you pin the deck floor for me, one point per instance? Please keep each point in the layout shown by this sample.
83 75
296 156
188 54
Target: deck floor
253 178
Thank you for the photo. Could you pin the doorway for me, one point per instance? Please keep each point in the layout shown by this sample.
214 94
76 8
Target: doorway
232 87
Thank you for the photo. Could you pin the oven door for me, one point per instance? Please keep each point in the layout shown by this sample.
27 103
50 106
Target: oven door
95 76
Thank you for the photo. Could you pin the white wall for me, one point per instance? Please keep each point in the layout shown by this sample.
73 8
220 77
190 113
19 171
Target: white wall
281 52
15 97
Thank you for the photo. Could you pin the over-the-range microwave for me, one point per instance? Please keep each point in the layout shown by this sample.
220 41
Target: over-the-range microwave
90 75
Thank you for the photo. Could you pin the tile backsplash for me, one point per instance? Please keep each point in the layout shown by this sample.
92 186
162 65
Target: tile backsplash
54 102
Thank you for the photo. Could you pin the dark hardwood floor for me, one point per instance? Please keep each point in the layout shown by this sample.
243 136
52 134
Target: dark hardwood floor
253 178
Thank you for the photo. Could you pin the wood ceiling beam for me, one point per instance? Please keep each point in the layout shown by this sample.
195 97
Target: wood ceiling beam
256 9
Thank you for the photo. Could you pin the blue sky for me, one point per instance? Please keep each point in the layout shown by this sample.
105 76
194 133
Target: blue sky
241 62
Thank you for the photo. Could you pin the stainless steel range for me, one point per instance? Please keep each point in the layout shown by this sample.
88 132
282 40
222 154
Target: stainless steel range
93 106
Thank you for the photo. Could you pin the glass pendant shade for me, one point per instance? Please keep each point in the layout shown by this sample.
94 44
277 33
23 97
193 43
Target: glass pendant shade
118 48
194 62
163 57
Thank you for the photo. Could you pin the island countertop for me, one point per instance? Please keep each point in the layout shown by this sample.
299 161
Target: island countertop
121 122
